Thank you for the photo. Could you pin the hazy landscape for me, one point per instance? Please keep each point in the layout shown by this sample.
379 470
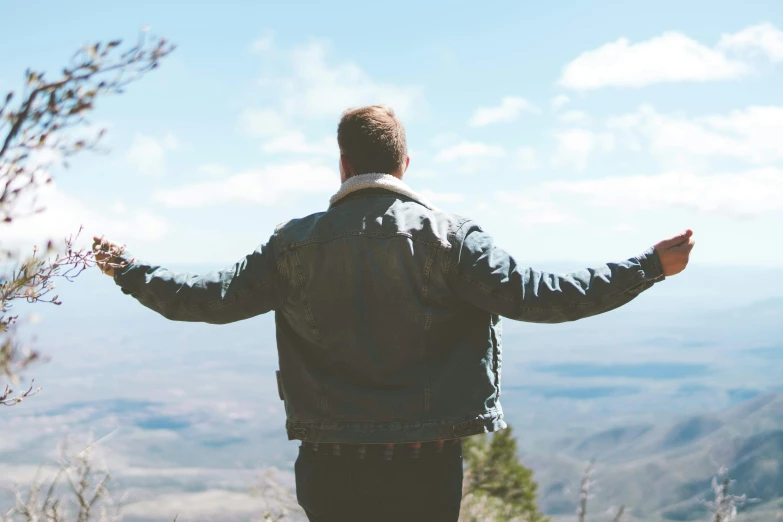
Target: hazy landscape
661 393
568 130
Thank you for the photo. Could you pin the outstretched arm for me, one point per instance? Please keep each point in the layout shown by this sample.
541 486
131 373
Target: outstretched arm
243 290
489 278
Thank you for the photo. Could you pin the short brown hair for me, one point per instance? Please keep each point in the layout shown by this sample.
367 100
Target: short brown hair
373 139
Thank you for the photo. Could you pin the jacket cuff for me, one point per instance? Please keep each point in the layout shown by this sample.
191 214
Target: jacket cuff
123 276
650 264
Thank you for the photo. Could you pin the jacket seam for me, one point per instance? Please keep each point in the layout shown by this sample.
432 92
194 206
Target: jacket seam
427 325
453 264
308 313
370 235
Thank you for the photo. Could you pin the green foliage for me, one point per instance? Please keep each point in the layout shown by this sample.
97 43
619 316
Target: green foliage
494 471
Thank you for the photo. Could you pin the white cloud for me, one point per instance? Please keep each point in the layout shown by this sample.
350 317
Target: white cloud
560 101
576 146
444 138
763 38
468 149
281 136
573 117
318 88
262 44
752 134
311 89
64 214
264 122
148 153
525 158
295 142
670 57
415 172
535 208
265 186
739 194
439 197
171 142
213 170
509 110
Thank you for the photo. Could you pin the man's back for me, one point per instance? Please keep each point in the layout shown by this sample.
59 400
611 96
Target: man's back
369 329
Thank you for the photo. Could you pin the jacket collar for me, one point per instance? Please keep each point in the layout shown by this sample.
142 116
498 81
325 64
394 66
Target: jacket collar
378 181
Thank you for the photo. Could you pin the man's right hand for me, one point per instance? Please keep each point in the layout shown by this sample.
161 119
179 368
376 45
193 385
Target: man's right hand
106 255
675 252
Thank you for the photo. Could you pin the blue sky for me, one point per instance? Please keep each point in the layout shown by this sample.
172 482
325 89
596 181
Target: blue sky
578 133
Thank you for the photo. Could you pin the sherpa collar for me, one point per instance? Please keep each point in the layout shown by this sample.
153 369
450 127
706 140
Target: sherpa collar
381 181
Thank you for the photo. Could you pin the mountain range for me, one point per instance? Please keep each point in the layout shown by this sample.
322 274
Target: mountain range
664 471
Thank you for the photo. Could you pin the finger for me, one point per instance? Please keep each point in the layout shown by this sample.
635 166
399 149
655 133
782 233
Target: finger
684 248
678 240
682 237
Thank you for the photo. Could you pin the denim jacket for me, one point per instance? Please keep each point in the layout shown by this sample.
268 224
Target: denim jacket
388 312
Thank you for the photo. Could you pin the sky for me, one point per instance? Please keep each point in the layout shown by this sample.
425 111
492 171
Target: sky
571 132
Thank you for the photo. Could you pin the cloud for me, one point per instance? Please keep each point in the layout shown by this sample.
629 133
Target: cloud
281 136
469 157
262 44
265 186
576 146
738 194
751 134
573 117
442 197
307 88
509 110
295 142
148 153
468 150
64 214
444 138
670 57
525 158
535 208
763 39
264 122
322 89
558 102
214 170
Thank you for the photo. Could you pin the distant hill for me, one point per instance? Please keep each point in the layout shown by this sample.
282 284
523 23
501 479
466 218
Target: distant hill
664 472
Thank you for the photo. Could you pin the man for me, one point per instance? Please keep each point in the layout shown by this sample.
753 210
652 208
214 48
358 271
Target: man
387 315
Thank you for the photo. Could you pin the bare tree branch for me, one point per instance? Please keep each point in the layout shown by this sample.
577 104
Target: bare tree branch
37 129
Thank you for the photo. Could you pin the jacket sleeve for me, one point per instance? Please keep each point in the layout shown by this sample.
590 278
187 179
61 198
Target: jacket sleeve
489 278
243 290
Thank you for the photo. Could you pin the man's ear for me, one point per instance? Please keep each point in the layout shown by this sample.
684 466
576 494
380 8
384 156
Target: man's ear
407 162
346 169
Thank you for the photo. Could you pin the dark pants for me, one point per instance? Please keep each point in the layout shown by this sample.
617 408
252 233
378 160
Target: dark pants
347 489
